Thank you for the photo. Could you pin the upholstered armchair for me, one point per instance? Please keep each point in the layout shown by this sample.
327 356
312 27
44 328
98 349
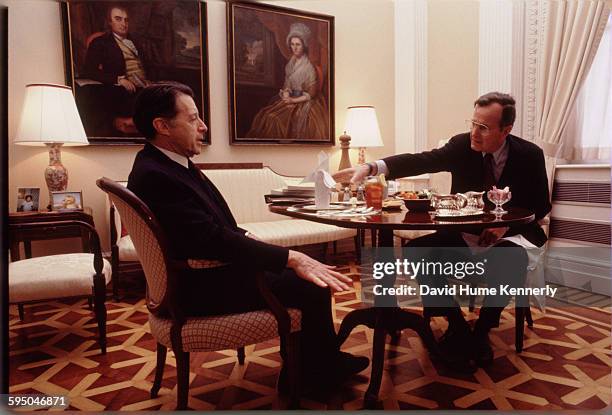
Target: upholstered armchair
50 277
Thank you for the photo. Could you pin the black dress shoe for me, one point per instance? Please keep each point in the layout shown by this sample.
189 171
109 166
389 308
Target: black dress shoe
332 375
456 349
483 353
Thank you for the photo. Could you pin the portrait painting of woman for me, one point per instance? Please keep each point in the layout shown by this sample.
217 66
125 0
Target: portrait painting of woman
299 111
281 77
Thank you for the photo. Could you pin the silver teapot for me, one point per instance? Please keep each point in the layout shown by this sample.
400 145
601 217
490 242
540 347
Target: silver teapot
444 202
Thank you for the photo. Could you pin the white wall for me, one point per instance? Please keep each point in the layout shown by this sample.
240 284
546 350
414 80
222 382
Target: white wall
452 66
364 62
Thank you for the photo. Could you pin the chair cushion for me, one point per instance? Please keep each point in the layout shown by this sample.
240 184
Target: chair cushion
127 252
53 276
223 332
296 232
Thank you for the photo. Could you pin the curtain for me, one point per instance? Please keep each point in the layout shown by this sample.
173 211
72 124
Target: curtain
588 135
569 34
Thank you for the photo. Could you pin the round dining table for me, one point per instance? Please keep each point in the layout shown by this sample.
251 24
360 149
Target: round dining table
394 319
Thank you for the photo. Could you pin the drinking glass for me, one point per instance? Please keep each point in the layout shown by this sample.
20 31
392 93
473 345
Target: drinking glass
374 194
499 198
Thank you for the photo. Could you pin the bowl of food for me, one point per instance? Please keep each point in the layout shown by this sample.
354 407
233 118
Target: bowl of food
416 201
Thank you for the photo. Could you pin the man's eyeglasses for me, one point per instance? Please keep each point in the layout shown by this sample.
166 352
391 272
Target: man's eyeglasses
482 128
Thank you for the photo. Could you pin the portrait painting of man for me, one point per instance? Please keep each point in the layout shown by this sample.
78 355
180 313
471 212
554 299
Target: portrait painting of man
281 75
114 49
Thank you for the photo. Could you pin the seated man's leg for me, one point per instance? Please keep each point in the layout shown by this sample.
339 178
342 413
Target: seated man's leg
455 344
506 265
319 350
231 290
439 305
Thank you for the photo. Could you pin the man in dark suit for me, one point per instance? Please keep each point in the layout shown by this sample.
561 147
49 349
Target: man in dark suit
199 224
488 155
114 59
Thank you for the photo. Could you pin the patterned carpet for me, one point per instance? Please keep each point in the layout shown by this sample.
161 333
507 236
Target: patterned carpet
566 363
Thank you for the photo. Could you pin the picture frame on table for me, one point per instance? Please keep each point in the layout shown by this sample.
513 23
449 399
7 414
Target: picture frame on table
28 199
114 49
66 201
281 75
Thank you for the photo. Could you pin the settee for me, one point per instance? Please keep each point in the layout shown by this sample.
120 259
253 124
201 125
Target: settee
243 185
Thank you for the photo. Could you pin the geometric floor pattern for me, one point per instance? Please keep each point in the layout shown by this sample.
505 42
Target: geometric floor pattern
566 363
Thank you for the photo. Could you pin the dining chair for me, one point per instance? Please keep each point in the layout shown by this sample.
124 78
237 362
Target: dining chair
72 275
172 329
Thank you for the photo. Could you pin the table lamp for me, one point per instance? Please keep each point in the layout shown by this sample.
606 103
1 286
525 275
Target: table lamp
50 117
362 126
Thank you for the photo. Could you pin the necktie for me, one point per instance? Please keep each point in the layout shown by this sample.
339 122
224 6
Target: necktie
489 175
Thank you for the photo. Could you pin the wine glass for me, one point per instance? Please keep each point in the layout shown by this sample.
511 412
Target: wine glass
498 197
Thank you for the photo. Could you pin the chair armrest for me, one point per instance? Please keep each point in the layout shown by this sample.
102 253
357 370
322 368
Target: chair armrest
52 226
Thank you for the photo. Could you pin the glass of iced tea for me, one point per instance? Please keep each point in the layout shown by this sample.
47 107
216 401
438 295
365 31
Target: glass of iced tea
374 190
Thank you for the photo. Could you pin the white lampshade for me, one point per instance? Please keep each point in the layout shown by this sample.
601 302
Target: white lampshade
362 126
50 115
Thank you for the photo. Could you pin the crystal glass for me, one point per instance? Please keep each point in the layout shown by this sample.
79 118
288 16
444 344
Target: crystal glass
498 198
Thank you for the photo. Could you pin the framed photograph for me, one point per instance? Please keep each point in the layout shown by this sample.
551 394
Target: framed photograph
28 199
114 49
63 201
281 75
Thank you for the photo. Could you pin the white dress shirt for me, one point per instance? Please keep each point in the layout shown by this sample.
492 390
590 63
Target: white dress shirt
178 158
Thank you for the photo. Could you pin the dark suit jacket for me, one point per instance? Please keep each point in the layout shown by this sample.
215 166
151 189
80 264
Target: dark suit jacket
195 217
524 173
104 60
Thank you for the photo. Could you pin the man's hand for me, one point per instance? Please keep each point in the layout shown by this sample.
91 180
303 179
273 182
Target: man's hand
128 85
491 235
314 271
353 174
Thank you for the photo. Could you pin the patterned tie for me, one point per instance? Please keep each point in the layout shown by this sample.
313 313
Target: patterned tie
489 175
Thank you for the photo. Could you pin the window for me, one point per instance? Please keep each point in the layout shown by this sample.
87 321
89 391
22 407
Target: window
589 129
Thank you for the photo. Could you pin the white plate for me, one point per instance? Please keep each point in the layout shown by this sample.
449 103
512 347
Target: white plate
462 213
347 203
314 208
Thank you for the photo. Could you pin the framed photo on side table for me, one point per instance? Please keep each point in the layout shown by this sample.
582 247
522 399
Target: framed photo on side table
114 49
66 201
281 75
28 199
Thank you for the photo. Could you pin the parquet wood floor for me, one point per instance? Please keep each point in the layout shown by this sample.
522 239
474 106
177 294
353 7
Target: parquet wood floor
566 363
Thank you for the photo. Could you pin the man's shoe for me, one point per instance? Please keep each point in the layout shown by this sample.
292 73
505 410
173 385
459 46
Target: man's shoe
336 373
483 353
456 347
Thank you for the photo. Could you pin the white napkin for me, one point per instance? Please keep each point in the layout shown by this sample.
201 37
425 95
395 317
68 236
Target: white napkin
323 181
323 164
